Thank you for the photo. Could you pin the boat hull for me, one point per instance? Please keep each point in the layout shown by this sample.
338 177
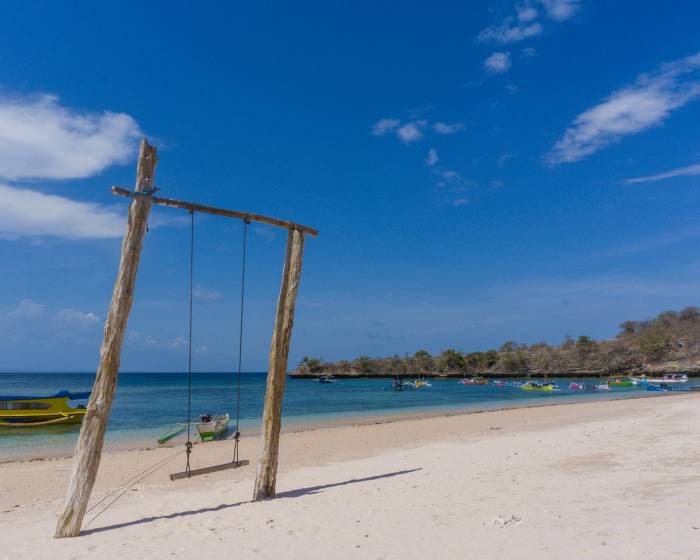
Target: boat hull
214 429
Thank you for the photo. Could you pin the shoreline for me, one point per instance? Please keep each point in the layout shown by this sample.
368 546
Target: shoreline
538 482
345 420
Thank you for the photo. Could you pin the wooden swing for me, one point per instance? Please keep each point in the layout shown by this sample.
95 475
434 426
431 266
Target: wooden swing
235 461
88 450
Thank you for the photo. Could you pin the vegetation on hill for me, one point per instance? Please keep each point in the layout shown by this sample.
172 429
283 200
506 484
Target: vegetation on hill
669 342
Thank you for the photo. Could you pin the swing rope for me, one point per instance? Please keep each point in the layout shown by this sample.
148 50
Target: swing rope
188 445
237 435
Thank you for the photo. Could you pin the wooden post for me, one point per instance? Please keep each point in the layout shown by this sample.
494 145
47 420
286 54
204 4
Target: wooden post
88 450
266 474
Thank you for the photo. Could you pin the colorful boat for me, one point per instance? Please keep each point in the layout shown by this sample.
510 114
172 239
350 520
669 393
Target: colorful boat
576 386
668 378
601 387
212 427
622 382
473 381
22 411
535 386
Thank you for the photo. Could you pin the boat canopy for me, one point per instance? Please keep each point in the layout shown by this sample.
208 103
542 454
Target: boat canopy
59 395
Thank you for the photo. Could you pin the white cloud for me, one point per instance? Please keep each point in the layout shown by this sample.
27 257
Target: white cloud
71 317
384 126
561 10
444 128
680 172
177 343
208 295
498 62
529 52
461 201
503 159
135 338
411 132
26 310
432 158
644 104
41 139
524 23
510 31
526 13
27 213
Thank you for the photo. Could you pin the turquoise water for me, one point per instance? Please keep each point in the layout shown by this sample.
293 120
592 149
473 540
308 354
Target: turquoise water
146 404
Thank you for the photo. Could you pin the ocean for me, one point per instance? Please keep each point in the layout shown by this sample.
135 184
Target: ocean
147 404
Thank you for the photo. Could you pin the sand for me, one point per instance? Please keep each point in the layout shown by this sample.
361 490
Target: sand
614 479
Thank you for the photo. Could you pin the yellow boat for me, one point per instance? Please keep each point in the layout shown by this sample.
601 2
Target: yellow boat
534 386
30 411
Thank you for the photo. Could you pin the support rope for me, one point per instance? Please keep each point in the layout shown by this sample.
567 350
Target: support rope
188 445
237 435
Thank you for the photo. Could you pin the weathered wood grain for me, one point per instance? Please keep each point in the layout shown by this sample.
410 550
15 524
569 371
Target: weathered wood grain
88 450
266 473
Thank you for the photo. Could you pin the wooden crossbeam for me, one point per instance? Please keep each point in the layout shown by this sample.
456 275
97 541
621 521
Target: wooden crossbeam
247 216
207 470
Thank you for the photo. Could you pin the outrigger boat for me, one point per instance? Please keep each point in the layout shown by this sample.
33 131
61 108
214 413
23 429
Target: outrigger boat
535 386
622 382
473 381
212 427
31 411
208 427
668 378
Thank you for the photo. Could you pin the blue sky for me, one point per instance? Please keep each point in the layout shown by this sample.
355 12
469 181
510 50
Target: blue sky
479 171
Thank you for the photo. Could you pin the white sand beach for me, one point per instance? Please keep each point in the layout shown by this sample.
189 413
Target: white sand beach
616 479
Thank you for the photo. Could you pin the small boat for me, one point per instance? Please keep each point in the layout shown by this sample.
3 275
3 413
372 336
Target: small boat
324 379
668 378
535 386
32 411
601 387
212 427
473 381
576 386
622 382
398 384
499 383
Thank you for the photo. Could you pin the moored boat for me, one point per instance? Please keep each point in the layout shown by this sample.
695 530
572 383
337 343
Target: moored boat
212 427
668 378
32 411
324 379
576 386
473 381
535 386
622 382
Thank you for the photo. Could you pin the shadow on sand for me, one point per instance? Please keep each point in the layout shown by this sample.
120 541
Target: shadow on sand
282 495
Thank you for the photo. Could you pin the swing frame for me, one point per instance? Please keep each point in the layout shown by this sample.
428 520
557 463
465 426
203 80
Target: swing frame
88 449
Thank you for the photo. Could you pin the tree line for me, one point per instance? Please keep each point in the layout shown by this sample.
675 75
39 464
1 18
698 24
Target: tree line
671 339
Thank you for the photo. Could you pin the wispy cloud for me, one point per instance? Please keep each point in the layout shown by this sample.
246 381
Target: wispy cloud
444 128
561 10
526 22
207 295
646 103
385 126
511 30
411 132
40 139
72 318
680 172
432 157
498 62
27 213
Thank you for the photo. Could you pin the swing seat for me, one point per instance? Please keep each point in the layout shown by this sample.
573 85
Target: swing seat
207 470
